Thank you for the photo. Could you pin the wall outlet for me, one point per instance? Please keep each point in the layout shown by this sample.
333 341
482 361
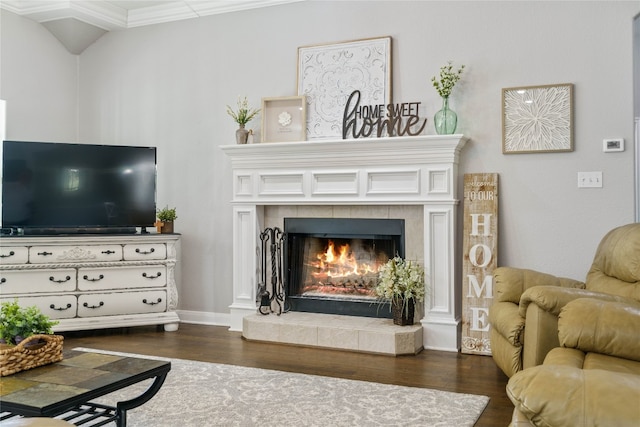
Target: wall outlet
590 179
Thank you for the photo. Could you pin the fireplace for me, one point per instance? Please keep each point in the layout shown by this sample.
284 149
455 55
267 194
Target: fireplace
331 264
331 178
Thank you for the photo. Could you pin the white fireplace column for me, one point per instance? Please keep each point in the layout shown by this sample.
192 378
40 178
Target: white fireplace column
418 170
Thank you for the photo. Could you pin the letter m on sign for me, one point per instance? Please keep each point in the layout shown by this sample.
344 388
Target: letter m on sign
480 259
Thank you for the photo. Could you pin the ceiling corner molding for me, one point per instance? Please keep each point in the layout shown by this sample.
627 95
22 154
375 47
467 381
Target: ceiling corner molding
101 14
61 17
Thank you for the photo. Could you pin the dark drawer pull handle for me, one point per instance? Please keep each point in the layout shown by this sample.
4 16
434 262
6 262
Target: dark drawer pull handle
108 252
152 277
66 279
93 279
11 253
150 251
45 253
2 280
53 307
86 304
151 302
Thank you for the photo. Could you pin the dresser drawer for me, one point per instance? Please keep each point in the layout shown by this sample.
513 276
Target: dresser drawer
118 303
145 251
23 282
14 255
61 254
150 276
53 306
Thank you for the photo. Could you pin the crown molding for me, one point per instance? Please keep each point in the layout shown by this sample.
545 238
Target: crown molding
60 17
109 17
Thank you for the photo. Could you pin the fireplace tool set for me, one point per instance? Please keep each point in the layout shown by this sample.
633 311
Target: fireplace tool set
272 239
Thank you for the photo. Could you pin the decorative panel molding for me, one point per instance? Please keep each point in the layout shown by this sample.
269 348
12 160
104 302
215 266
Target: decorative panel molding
290 184
243 185
439 182
393 182
334 183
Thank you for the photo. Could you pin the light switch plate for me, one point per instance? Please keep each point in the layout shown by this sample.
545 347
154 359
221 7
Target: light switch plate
590 179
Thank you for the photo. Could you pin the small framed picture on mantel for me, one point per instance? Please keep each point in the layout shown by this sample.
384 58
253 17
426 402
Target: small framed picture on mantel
284 119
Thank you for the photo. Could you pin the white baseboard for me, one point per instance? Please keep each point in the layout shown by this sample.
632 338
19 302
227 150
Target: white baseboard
204 318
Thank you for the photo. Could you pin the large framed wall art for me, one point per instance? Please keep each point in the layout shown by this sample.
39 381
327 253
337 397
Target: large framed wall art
537 119
328 74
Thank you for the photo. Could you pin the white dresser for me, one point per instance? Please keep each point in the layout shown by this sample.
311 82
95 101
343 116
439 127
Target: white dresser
94 281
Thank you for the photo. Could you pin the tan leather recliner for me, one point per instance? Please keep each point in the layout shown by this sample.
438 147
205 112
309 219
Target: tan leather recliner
524 314
593 379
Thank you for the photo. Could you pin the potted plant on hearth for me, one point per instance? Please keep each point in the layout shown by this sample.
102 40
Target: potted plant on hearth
401 282
26 338
166 216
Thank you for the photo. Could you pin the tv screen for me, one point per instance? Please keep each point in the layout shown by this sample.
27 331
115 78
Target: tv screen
77 187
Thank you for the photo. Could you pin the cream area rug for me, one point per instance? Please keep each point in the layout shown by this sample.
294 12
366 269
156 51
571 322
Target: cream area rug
199 394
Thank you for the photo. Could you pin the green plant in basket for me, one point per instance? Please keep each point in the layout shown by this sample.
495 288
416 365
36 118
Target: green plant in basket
400 280
18 323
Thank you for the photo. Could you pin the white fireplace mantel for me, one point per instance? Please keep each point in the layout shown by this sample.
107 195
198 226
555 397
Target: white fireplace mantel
417 170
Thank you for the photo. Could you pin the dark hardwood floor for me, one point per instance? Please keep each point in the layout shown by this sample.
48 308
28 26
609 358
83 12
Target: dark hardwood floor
447 371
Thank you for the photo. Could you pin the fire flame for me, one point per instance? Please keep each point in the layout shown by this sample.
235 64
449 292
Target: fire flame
341 263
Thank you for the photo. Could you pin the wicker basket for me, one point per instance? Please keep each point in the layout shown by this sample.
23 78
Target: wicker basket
30 354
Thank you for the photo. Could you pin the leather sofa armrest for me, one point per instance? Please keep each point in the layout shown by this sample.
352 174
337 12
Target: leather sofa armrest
604 327
504 318
553 298
510 283
551 395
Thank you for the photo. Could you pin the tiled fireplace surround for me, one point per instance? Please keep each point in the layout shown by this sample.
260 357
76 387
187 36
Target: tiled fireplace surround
412 178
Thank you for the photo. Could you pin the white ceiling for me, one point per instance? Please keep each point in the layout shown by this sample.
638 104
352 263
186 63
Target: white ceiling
79 23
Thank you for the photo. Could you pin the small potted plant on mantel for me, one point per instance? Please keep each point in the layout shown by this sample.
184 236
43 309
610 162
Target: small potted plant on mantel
166 216
242 116
26 338
401 282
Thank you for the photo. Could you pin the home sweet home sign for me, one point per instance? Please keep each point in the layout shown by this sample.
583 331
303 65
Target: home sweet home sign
480 249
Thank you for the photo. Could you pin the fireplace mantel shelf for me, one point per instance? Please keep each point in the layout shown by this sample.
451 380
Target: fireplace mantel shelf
347 152
416 170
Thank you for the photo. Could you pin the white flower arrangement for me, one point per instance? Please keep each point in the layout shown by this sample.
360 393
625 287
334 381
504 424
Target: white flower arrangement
448 79
244 113
400 280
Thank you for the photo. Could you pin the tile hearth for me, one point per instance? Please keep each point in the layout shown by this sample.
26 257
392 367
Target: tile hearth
361 334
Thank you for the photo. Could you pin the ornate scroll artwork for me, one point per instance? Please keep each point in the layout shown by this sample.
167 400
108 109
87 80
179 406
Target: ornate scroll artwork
537 119
329 74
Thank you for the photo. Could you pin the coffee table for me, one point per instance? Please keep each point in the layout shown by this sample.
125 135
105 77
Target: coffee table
67 388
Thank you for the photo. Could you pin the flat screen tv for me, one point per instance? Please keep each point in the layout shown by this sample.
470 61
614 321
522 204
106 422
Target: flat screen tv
57 188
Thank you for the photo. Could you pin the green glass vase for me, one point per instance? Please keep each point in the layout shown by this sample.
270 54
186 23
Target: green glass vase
445 120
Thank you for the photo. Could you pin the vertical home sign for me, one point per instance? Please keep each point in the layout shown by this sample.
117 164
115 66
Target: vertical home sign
480 250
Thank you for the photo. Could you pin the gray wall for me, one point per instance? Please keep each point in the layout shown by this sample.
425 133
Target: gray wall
168 84
39 81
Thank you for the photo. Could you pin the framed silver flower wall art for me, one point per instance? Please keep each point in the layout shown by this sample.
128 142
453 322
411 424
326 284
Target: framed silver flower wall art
284 119
328 74
537 119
